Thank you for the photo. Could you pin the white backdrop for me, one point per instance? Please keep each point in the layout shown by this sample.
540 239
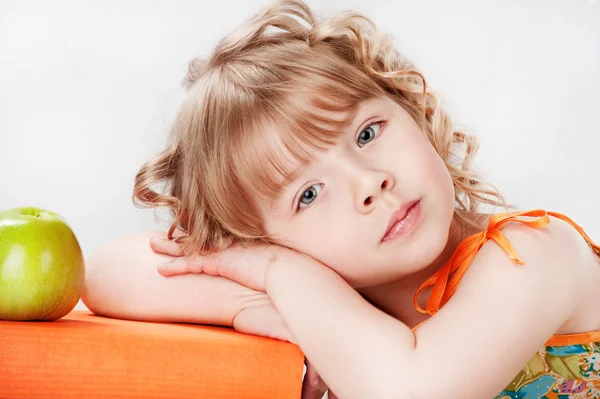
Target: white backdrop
89 89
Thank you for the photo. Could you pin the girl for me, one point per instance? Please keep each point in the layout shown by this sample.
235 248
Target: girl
310 162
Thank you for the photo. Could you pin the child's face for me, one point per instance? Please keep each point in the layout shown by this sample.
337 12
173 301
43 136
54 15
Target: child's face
339 209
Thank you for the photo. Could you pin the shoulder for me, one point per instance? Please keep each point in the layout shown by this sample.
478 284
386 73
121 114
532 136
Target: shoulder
556 243
553 257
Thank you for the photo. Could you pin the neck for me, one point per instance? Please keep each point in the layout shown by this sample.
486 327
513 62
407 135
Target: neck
396 298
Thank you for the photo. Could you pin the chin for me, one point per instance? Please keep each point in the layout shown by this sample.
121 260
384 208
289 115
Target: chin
429 241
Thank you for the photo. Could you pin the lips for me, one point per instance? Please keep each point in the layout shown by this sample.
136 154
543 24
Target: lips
398 216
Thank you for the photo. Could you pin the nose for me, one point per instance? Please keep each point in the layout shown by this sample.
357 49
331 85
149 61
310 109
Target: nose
372 189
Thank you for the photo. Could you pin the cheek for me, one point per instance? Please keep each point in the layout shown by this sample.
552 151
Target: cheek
427 174
439 188
438 184
440 175
421 163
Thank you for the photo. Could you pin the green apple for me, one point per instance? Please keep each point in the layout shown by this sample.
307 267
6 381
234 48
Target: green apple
42 269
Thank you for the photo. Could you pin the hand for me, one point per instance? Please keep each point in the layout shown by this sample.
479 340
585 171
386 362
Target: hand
266 322
244 265
313 386
259 317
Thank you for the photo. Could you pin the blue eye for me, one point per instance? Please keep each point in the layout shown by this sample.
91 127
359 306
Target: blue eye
369 133
308 196
366 135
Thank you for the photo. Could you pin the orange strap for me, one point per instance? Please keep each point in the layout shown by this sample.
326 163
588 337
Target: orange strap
446 279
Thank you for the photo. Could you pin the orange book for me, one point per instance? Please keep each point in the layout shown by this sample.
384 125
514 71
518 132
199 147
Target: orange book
87 356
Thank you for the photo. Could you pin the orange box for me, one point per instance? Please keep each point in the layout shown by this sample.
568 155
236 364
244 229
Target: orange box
87 356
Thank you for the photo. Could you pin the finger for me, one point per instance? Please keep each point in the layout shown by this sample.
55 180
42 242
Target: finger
246 266
166 247
178 232
313 386
190 264
331 395
174 267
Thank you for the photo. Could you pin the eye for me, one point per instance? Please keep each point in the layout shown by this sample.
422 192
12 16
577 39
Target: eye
369 133
308 196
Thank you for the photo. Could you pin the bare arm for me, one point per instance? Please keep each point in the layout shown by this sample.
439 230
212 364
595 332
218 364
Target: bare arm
122 281
502 314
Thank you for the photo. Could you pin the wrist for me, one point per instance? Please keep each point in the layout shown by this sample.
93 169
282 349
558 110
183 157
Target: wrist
283 261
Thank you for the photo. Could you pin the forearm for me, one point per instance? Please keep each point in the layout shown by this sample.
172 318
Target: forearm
122 281
357 349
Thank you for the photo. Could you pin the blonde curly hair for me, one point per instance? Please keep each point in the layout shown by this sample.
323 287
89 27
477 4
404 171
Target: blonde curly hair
280 69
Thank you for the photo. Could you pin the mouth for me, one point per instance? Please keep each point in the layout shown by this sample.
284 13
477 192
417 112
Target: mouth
403 221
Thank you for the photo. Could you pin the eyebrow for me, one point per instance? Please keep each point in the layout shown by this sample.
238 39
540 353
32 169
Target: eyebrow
290 178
